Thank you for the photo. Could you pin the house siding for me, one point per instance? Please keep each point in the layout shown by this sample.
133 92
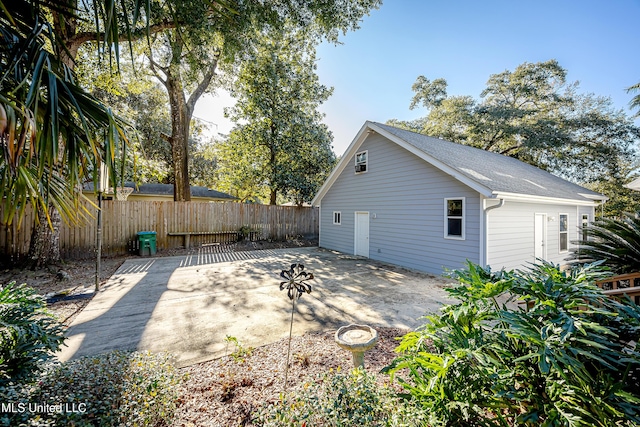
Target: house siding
511 233
405 198
589 210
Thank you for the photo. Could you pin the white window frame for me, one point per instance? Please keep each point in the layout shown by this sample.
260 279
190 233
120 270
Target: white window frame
365 163
337 218
447 217
560 233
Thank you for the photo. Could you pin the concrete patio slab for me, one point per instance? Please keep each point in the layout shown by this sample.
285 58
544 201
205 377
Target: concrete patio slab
187 305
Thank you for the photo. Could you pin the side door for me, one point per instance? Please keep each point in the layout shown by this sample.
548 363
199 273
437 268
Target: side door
540 237
361 241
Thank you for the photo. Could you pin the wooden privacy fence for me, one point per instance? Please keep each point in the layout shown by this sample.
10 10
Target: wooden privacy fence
122 220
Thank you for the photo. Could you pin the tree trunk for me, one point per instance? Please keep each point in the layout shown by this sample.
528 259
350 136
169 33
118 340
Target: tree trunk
65 28
272 166
44 248
180 122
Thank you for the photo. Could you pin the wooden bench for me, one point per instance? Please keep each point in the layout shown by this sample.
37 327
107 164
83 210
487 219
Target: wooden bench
228 236
617 286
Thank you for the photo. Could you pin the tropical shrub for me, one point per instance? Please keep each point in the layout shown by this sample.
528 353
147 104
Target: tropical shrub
565 356
342 400
616 241
29 334
115 388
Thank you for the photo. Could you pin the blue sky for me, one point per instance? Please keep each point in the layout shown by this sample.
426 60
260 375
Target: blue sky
465 42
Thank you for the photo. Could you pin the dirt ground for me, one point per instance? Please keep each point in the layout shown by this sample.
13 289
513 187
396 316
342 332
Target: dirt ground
68 285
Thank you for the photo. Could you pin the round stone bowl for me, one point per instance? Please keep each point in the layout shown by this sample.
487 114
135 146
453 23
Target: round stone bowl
357 339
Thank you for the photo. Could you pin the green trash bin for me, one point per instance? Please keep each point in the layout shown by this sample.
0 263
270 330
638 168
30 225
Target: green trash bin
147 243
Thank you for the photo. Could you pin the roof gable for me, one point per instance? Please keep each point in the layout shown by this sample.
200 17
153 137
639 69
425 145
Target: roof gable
490 174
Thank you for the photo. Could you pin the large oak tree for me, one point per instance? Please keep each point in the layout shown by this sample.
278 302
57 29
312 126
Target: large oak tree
533 114
185 58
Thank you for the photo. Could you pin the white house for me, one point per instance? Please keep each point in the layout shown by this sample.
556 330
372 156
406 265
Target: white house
429 204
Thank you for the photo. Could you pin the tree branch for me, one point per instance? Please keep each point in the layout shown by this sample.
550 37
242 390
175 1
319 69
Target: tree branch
155 67
493 140
204 84
87 36
166 138
510 149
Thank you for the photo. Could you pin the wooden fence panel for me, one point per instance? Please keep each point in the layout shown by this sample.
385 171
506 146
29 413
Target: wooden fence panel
122 220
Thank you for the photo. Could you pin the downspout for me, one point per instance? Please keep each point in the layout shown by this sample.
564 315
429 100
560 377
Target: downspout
486 229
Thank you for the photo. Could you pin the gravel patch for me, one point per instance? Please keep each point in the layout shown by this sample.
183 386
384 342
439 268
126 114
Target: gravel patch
228 391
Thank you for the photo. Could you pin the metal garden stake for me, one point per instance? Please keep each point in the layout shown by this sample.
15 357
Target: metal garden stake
295 285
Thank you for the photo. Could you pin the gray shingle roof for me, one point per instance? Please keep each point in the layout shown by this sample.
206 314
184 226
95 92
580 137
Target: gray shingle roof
167 190
498 173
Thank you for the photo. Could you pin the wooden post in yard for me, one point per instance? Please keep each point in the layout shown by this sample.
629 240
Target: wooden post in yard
104 180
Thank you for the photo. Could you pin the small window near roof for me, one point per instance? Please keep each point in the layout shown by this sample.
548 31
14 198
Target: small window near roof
454 218
564 232
337 218
361 161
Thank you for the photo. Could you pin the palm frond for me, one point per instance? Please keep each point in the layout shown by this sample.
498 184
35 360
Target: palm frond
635 101
616 241
55 134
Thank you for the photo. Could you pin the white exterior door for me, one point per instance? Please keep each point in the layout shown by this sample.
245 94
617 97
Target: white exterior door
361 241
539 236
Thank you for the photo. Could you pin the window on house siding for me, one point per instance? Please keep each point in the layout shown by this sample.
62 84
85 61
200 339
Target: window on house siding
564 232
337 218
585 222
454 218
361 161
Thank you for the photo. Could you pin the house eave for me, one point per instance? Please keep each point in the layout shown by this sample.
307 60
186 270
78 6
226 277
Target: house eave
369 127
475 185
633 185
362 135
348 154
546 200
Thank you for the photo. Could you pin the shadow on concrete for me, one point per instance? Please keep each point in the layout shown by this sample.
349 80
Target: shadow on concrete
188 307
118 315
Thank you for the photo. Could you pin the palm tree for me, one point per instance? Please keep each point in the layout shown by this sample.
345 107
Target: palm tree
635 102
53 134
616 241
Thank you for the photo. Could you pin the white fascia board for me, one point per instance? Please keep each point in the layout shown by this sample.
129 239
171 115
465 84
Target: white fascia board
634 185
599 197
543 199
346 157
434 162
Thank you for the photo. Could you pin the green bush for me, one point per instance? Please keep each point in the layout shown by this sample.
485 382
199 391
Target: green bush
615 241
29 334
565 356
112 389
342 400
